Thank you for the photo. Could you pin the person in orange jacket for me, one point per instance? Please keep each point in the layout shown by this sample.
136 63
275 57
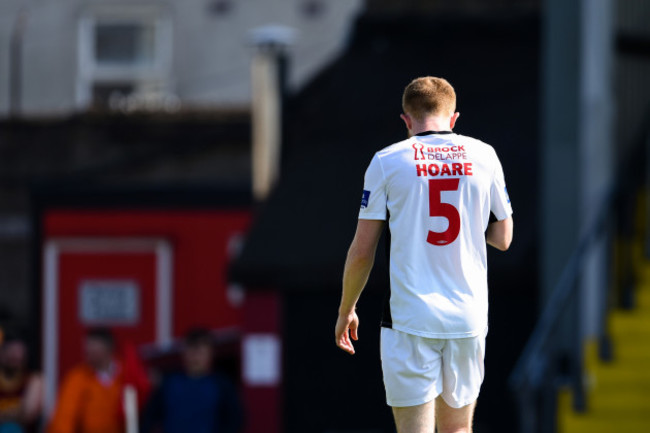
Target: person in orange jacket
90 397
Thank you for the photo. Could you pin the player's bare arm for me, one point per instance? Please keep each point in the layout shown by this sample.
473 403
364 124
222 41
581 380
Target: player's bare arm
359 262
499 234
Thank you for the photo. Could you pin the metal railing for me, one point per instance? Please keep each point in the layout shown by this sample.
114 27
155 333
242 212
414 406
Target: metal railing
553 356
545 364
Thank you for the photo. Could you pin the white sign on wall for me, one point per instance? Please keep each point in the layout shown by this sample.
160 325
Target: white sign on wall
261 359
114 302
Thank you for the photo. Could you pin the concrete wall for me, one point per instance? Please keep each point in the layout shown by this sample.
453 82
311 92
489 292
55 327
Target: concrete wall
208 46
576 161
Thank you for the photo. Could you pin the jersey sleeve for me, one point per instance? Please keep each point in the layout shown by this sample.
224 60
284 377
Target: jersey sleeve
499 200
373 198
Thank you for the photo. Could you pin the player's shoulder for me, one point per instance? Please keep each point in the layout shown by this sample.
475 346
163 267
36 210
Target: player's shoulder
477 146
396 146
391 149
475 142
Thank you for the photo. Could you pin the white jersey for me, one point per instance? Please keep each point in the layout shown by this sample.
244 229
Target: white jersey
437 190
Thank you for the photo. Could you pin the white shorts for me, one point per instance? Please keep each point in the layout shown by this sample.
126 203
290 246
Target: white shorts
418 369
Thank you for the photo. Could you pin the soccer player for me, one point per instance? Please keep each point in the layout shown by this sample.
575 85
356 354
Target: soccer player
444 196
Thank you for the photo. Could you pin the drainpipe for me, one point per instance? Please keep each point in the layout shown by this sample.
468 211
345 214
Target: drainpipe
15 63
271 43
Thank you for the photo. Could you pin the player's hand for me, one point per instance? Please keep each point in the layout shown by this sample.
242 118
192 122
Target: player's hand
346 327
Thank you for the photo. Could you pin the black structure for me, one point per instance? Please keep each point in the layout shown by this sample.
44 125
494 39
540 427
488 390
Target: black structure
135 158
299 241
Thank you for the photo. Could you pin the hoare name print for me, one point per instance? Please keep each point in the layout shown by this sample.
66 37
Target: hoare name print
445 169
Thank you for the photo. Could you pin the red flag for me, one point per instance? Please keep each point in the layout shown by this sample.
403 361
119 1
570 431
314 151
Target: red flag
134 373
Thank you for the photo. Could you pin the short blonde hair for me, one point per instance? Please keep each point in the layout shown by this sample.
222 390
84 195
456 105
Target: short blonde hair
428 96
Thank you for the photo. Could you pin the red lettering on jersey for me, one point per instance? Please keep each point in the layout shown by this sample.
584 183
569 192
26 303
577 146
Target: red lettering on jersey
455 169
419 154
446 149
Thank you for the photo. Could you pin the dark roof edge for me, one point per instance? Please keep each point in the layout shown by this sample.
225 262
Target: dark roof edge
155 196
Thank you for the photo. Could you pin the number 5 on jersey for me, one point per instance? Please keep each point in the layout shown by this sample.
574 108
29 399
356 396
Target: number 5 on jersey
439 209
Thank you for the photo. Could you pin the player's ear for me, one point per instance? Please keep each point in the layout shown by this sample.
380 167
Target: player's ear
454 118
407 121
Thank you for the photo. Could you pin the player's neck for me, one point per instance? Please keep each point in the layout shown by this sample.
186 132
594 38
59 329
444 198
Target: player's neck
431 124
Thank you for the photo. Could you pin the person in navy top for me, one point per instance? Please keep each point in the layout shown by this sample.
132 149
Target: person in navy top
197 399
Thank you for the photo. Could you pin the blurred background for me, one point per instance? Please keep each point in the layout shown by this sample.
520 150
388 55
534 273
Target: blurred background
179 184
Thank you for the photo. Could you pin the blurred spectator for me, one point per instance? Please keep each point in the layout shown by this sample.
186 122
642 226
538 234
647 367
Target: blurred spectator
21 392
90 397
196 400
